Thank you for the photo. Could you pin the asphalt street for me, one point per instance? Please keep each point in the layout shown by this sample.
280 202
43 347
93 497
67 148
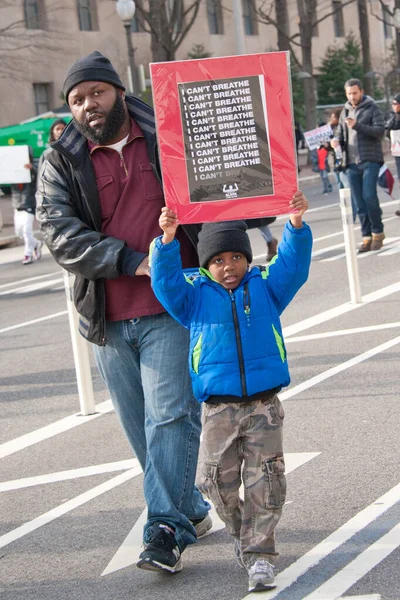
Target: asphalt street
71 500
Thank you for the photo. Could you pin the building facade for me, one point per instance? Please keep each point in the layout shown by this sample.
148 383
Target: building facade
40 39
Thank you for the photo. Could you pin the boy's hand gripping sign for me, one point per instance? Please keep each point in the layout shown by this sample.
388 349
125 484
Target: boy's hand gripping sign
226 136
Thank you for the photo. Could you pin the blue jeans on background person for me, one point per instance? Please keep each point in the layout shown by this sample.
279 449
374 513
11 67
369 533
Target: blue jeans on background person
363 181
145 367
339 181
326 184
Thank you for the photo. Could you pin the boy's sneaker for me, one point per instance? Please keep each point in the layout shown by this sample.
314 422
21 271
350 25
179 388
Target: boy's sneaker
238 553
202 526
38 250
28 260
261 576
162 553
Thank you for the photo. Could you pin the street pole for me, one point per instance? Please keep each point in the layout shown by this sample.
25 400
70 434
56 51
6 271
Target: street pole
239 33
131 55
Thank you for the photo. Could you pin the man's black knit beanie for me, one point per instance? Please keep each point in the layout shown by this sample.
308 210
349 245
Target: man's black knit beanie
227 236
93 67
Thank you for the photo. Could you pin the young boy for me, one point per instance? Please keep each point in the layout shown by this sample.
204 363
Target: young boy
237 362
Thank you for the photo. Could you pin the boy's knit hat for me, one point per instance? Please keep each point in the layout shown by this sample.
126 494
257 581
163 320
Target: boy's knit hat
227 236
93 67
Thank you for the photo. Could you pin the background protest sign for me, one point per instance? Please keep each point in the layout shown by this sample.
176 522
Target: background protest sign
225 133
315 137
12 164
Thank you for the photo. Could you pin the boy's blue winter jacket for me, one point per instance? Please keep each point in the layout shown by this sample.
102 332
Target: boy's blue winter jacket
236 343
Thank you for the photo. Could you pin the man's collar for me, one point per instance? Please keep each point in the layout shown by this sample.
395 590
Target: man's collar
134 132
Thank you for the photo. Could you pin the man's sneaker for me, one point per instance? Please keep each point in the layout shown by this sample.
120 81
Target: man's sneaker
38 250
397 213
377 241
261 576
202 526
162 553
365 246
28 260
238 553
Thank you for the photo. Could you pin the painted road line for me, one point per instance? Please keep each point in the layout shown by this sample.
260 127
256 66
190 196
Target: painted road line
19 484
357 523
340 332
44 433
368 597
128 553
72 421
297 389
337 311
34 287
66 507
359 567
22 281
40 320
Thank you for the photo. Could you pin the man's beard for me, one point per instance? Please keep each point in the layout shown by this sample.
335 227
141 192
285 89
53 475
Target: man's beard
112 124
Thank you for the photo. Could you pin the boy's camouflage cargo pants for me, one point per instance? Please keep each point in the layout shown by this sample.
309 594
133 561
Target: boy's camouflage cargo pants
243 442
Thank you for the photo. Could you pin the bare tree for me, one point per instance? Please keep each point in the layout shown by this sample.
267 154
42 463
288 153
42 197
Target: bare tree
168 22
387 12
310 14
365 47
20 46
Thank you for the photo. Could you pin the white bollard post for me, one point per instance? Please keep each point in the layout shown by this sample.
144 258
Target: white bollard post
350 245
80 350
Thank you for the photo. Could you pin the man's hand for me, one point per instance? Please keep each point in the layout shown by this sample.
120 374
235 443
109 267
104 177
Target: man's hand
143 268
299 204
350 122
168 222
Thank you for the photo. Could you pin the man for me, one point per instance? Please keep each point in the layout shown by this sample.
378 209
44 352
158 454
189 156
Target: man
359 133
24 204
99 199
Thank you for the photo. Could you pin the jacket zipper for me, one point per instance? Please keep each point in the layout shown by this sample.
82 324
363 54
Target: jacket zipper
239 344
246 303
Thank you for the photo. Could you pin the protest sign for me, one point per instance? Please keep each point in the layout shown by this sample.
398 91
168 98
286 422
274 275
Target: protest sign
395 142
12 161
315 137
225 133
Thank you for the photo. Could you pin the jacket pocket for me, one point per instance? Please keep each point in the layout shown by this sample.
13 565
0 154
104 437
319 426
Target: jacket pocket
151 185
107 195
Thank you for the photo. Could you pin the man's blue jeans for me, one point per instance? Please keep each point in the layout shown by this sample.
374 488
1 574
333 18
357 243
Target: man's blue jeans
145 367
363 179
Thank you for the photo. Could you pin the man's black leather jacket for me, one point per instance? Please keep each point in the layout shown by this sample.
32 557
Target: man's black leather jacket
68 210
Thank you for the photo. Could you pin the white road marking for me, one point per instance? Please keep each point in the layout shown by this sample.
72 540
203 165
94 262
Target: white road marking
19 484
128 553
338 369
34 321
74 420
369 597
337 311
340 332
331 543
44 433
25 289
22 281
359 567
66 507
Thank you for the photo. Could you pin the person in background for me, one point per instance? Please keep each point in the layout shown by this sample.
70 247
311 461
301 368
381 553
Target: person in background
238 365
56 130
322 153
359 135
393 124
99 201
300 141
24 204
